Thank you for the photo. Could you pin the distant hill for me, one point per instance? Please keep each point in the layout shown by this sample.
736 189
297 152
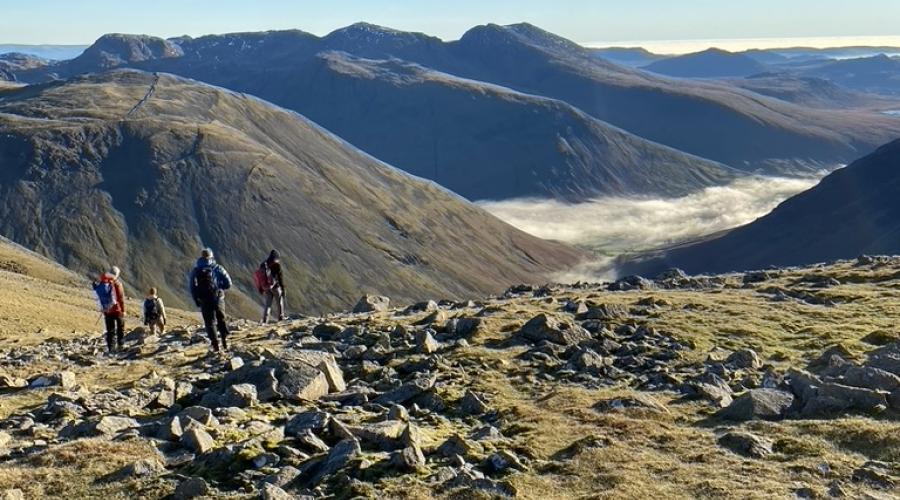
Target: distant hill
855 210
627 56
710 63
480 140
878 74
53 52
708 119
126 168
812 91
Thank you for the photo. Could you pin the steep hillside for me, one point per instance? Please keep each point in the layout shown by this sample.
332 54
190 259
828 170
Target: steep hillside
627 56
711 63
143 171
715 387
814 92
480 140
853 211
41 301
712 120
878 74
707 119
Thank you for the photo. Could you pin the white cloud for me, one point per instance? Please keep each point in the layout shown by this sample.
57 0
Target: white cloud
616 225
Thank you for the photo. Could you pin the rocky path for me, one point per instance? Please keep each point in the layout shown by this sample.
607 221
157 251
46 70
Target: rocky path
544 392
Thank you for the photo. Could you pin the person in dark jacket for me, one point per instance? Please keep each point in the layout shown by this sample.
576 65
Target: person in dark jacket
208 283
272 286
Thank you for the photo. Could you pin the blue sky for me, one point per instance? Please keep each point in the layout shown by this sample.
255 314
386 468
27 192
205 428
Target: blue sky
81 22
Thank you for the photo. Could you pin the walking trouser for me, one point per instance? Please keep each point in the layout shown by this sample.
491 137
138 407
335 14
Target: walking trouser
115 325
275 296
214 318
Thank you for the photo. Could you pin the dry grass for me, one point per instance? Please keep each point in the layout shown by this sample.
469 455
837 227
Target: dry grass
636 453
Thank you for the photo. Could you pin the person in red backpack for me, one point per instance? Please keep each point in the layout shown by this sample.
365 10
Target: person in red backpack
111 296
270 284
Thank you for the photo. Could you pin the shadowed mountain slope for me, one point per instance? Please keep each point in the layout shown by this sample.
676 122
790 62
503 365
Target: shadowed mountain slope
855 210
708 119
129 168
480 140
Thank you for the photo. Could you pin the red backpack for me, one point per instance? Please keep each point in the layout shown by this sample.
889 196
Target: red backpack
263 278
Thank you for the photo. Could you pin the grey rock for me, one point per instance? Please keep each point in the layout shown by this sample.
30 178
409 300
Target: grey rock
146 467
504 460
64 379
200 414
769 404
311 442
744 443
240 396
384 435
372 303
744 359
10 382
472 404
870 377
198 440
552 329
398 412
407 391
313 421
410 458
110 425
458 445
270 491
710 387
333 375
284 476
337 458
425 342
170 430
191 487
293 380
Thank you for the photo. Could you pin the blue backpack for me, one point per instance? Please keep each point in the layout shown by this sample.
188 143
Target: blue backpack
106 295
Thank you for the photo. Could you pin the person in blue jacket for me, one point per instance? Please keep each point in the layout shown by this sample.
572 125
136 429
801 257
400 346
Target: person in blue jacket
208 283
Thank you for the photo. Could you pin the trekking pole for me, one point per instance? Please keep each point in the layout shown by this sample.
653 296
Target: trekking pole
98 319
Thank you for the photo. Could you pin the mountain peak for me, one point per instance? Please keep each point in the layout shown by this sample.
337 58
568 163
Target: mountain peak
116 49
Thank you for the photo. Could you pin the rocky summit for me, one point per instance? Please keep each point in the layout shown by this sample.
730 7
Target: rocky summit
558 391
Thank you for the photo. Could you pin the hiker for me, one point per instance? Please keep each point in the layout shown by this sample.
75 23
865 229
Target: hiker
111 296
269 279
154 313
208 284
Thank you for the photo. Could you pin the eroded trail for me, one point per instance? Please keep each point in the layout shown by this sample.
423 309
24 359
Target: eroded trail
545 392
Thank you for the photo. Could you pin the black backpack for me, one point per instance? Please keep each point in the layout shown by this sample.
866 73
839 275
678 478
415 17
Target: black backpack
151 310
207 284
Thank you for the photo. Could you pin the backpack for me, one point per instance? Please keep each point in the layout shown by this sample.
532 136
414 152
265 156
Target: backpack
207 283
151 310
263 278
106 295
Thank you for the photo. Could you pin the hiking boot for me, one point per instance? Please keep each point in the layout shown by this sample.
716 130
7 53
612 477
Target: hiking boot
224 345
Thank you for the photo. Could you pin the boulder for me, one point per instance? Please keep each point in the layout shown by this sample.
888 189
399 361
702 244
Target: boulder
111 425
383 435
191 487
198 440
746 444
425 342
769 404
240 396
407 391
288 379
550 328
408 459
339 456
146 467
472 404
9 382
372 303
744 359
711 387
458 445
886 358
64 379
870 377
313 421
333 375
605 312
12 494
269 491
